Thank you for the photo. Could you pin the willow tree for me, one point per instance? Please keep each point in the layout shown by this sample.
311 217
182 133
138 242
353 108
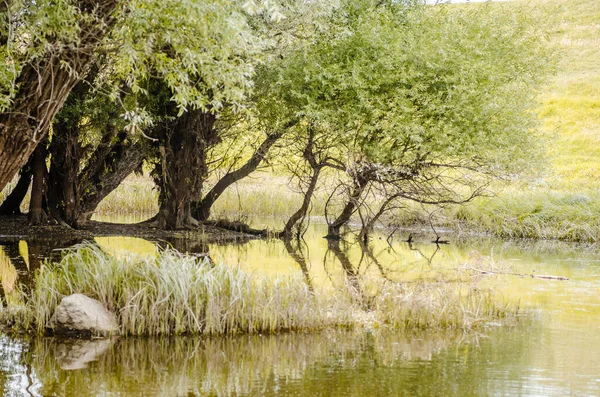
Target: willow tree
45 49
192 71
424 103
203 52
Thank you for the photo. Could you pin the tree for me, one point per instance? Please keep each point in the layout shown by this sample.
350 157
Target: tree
426 103
45 49
203 50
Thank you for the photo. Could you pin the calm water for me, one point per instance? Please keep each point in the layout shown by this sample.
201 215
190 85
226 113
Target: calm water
553 352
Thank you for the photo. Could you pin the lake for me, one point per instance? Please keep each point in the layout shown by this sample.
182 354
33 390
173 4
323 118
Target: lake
553 350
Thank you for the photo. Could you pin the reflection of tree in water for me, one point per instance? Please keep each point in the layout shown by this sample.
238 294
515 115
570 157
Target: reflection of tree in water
245 365
429 258
351 273
367 251
294 248
37 251
331 363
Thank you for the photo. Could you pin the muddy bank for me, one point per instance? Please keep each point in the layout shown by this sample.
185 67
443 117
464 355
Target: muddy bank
15 228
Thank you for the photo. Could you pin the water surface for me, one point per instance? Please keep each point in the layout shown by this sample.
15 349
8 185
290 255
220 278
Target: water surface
554 351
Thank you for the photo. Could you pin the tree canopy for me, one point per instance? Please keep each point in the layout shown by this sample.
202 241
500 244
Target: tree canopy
403 100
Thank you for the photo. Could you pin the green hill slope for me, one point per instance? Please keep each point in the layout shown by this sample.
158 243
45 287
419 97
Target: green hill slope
564 203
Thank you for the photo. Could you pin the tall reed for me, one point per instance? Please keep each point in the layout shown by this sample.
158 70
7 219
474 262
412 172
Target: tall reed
172 293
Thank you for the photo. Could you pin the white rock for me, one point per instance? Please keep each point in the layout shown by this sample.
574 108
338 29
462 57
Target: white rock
80 315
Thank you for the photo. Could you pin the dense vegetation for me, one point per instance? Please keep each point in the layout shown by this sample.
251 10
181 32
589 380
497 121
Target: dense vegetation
370 104
173 294
561 201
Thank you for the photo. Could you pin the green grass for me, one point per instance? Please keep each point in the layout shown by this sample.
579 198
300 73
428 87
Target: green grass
137 194
564 202
172 294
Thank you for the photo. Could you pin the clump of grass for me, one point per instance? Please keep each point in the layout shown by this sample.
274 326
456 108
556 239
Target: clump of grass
438 305
569 216
178 294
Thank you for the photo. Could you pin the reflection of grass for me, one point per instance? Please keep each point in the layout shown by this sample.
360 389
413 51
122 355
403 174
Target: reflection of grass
222 366
175 294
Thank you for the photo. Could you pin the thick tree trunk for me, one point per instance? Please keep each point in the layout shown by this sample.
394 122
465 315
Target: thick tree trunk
123 160
12 203
36 212
202 210
183 166
44 86
62 178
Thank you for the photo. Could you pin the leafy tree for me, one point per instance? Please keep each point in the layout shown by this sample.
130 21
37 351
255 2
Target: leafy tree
202 50
425 103
45 49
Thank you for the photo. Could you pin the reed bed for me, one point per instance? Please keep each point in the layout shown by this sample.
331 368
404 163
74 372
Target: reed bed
173 294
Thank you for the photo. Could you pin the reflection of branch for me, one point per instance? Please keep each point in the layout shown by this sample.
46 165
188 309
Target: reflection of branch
540 276
368 251
351 275
428 259
437 236
296 254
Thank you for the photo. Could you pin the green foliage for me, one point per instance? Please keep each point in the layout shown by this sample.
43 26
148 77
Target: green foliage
561 203
31 30
452 83
203 50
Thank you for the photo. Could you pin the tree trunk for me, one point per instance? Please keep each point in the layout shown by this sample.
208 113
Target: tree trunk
12 203
45 85
62 178
183 166
367 227
202 211
360 183
286 233
36 213
123 160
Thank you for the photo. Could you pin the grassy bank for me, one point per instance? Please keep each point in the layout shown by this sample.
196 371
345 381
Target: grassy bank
176 294
564 202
